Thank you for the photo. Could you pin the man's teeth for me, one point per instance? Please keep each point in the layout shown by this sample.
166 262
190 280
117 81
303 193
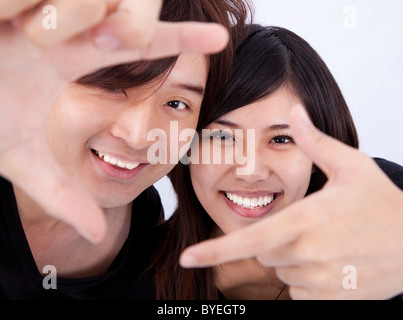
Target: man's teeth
116 162
250 203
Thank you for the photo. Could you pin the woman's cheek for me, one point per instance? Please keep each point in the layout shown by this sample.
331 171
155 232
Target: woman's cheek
200 175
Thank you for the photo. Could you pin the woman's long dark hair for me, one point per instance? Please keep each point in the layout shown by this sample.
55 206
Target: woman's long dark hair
270 58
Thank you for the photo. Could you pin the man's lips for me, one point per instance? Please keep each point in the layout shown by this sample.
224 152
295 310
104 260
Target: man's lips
116 161
117 168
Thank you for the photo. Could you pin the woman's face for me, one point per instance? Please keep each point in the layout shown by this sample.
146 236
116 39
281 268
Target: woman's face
100 137
280 175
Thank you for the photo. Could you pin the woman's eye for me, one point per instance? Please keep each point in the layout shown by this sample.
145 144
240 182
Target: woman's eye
281 140
178 105
222 135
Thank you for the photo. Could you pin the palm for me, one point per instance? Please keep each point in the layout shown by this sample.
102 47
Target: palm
31 81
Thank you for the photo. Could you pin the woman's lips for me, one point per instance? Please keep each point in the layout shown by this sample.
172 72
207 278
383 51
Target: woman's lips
116 168
250 206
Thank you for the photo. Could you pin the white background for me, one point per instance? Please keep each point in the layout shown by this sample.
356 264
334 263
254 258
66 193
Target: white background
362 43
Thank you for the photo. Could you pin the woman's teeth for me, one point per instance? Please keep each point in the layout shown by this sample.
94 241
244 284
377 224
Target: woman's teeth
116 162
250 203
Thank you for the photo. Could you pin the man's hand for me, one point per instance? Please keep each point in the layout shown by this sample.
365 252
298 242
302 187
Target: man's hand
37 64
351 230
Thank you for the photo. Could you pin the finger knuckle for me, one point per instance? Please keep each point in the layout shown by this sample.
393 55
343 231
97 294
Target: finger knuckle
282 274
140 35
263 259
89 4
10 9
90 11
303 252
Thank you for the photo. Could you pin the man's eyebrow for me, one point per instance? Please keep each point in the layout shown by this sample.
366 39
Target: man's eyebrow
273 127
198 89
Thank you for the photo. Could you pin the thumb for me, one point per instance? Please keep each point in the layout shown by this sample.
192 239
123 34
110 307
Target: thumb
328 153
32 168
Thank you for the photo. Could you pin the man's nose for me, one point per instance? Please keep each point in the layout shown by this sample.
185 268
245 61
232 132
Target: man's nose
133 124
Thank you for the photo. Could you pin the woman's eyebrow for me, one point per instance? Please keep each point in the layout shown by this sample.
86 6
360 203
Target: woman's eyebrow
198 89
273 127
226 123
276 127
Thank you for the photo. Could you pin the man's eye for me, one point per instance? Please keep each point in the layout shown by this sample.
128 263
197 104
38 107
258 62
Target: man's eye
178 105
281 140
112 90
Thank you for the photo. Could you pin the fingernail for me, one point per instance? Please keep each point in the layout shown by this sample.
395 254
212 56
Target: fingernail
89 236
107 42
188 261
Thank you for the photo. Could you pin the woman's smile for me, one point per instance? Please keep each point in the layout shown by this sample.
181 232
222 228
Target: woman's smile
254 205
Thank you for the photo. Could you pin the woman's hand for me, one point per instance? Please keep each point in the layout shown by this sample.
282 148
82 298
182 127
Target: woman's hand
37 63
342 242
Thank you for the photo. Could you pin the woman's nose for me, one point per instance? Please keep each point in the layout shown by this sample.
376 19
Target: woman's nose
255 168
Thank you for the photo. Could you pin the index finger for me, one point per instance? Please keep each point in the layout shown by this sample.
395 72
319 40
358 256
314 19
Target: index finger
137 24
133 22
171 39
328 153
273 232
